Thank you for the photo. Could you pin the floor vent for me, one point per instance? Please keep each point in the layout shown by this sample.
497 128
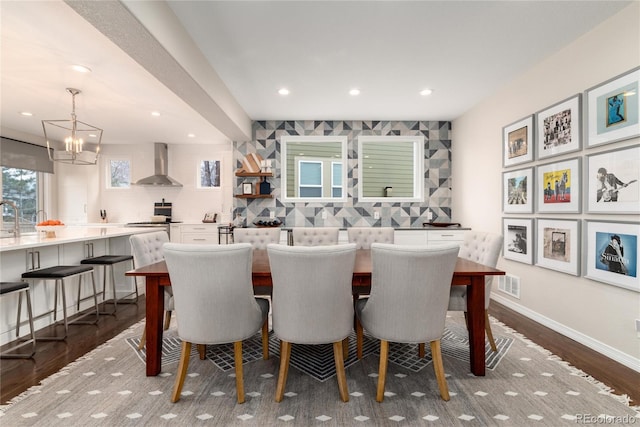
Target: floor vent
510 284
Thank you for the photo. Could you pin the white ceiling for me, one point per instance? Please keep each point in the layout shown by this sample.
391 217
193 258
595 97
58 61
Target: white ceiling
143 60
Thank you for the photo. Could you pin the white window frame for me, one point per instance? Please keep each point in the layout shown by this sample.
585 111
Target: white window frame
341 187
107 175
199 176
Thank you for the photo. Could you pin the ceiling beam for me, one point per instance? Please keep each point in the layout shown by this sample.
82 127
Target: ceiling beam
150 33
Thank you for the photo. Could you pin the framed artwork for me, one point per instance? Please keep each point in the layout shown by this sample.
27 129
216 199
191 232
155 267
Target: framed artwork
518 239
517 142
612 181
517 190
558 187
558 128
558 245
247 188
612 109
612 253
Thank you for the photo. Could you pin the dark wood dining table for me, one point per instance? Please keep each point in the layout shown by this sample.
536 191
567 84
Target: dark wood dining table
467 273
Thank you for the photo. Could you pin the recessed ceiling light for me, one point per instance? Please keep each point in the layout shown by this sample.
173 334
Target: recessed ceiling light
284 91
26 113
354 92
191 135
81 68
155 114
426 92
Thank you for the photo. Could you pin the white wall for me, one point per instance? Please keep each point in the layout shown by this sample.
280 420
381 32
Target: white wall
136 203
600 315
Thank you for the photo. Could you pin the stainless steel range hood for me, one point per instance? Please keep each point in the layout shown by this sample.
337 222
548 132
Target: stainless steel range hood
161 177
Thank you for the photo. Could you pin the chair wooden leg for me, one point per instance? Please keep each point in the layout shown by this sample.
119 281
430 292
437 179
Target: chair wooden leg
342 378
143 338
382 371
182 371
285 354
265 339
167 319
237 354
487 327
359 338
202 351
438 367
466 319
421 351
345 348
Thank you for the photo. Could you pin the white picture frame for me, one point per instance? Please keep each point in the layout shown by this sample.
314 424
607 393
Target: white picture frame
604 125
518 142
607 264
558 128
559 188
518 239
605 173
558 245
517 191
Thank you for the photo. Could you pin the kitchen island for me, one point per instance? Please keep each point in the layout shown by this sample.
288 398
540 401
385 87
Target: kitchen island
69 246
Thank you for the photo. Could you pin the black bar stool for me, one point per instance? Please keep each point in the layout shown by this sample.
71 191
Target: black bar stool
9 288
59 274
109 261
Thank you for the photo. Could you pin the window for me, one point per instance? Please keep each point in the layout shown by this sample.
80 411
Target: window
118 173
22 187
209 174
312 168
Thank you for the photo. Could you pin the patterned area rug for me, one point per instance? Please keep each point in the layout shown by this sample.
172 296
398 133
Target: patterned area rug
317 360
529 387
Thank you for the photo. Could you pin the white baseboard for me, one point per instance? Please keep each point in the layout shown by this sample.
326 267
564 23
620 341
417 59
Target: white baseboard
602 348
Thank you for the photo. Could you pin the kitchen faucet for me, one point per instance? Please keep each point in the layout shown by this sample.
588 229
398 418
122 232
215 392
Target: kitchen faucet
16 227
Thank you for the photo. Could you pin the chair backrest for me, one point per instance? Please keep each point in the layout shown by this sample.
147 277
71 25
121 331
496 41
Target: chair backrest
483 248
213 292
409 292
315 236
363 237
258 237
146 248
312 299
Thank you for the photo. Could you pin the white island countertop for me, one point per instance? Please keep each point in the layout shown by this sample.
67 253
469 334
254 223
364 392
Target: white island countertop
68 235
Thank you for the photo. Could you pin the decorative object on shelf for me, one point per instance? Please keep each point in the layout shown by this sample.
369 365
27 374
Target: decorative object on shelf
238 221
210 217
251 163
613 109
247 188
265 187
518 239
558 128
559 187
558 245
517 142
267 223
517 191
75 134
612 181
613 249
265 166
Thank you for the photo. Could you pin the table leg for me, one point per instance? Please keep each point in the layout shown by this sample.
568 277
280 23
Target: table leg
155 308
475 312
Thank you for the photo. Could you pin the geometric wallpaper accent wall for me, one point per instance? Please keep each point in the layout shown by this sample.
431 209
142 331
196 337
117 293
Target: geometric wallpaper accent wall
437 175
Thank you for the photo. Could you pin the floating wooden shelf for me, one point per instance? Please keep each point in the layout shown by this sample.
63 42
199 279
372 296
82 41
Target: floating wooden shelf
253 196
254 174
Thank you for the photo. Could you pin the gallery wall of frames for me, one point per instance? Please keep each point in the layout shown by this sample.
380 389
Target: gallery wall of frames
552 169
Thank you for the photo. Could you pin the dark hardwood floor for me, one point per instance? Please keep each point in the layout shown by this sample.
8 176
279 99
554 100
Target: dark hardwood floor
18 375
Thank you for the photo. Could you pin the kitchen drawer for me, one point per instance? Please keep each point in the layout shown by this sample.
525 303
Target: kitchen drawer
454 236
204 238
199 228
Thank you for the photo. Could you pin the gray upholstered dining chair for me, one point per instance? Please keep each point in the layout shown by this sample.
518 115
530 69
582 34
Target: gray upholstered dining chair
312 302
146 249
408 303
483 248
363 237
258 237
315 236
214 302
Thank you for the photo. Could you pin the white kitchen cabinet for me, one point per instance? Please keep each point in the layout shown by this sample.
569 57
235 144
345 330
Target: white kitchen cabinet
428 237
410 237
205 233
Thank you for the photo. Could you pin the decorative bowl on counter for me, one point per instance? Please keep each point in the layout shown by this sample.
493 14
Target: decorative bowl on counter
267 223
50 230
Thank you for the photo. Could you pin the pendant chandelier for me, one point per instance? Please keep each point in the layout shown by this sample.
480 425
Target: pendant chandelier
74 134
